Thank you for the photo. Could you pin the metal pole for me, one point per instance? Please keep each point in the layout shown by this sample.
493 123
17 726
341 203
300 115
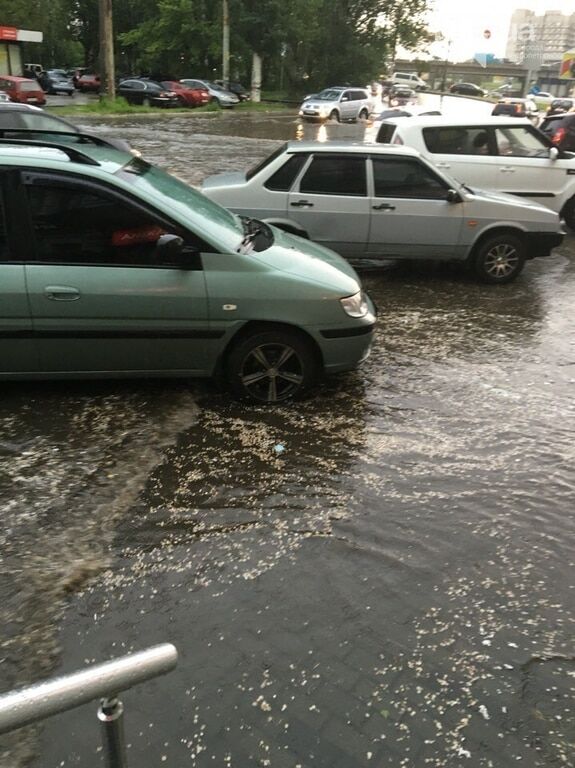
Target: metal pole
225 44
111 715
108 83
36 702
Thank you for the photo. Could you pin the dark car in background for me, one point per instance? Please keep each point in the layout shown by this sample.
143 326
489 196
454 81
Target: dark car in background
561 130
21 121
560 106
234 87
147 93
467 89
517 108
187 96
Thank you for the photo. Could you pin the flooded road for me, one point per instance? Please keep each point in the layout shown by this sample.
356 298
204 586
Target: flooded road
395 588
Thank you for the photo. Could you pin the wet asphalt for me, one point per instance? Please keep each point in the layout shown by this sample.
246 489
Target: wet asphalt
394 588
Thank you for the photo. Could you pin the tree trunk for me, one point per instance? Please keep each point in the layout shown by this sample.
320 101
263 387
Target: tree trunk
256 77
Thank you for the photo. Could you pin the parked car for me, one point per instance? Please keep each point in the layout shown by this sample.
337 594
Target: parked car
187 97
560 106
337 103
225 99
4 98
88 83
54 82
24 121
517 108
503 153
242 93
467 89
370 201
147 93
76 74
560 129
22 90
126 271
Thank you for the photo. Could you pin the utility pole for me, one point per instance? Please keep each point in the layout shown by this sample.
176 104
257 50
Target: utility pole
225 44
108 82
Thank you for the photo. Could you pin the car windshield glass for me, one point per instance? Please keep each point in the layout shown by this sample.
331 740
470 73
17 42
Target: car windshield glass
191 208
328 95
265 162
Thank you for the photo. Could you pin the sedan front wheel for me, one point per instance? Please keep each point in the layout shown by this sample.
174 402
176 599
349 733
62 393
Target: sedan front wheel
499 259
271 366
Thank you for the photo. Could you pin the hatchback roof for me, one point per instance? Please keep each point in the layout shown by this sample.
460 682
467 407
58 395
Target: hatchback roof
12 106
444 121
351 147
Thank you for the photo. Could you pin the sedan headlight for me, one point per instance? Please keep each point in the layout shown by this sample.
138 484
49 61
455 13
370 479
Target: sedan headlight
356 305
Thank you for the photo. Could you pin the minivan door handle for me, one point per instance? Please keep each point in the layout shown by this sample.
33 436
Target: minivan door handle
383 207
61 293
302 204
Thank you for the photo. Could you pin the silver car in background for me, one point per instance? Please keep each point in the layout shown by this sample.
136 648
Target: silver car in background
217 93
337 104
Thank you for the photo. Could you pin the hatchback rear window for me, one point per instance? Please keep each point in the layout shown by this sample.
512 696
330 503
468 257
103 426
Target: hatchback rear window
27 87
265 162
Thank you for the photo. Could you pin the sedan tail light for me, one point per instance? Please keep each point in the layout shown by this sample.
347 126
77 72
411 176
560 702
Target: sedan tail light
559 136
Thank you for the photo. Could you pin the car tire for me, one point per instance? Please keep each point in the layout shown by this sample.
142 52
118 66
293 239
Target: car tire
364 114
271 367
146 102
334 115
499 259
568 213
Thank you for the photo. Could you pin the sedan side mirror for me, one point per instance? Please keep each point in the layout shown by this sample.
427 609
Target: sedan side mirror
453 196
553 153
169 247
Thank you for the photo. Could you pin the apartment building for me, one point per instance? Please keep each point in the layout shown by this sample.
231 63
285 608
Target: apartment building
539 39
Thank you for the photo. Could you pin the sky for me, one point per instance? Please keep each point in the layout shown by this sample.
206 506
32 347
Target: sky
464 21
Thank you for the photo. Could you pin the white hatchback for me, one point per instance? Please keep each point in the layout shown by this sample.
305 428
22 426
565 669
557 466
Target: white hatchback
382 203
504 153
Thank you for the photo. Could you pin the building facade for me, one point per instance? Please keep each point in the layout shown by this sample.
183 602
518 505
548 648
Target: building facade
539 39
11 40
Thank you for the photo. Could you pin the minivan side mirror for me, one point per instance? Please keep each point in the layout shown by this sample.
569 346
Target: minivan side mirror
553 153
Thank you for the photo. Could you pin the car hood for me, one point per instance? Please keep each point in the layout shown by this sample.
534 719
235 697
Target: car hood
235 179
472 193
311 261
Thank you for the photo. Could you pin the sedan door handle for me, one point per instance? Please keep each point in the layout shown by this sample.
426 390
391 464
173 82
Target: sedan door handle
507 169
302 204
61 293
443 165
383 207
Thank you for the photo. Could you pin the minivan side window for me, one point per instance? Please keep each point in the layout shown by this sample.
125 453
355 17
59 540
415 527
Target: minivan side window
75 224
335 175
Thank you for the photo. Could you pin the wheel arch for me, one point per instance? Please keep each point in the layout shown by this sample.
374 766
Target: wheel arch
497 231
260 326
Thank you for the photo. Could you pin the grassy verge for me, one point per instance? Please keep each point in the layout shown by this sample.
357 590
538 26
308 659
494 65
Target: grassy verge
120 106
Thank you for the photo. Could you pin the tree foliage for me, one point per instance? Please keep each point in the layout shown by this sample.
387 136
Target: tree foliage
304 44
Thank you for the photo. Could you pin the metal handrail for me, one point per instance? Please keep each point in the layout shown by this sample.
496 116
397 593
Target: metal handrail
36 702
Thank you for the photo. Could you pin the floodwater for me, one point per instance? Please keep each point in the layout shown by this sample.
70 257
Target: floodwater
394 588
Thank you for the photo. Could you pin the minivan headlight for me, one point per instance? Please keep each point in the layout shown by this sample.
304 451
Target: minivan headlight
356 305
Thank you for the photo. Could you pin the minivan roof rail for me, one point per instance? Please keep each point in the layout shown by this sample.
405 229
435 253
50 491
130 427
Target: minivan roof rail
73 154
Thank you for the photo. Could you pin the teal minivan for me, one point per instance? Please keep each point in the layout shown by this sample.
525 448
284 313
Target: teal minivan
112 268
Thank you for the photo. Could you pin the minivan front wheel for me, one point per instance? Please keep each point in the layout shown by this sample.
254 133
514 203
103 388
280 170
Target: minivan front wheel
363 115
334 115
499 259
271 367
